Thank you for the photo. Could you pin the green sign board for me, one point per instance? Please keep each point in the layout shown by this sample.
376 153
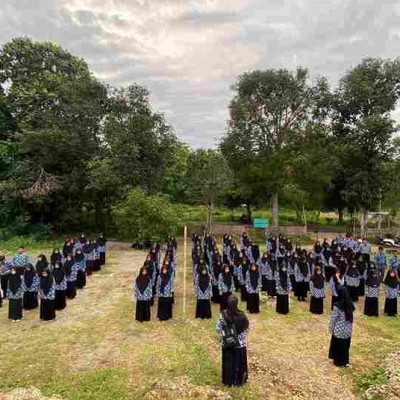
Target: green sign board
260 223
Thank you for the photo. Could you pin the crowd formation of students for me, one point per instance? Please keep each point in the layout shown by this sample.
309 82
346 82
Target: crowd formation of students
285 267
52 281
156 279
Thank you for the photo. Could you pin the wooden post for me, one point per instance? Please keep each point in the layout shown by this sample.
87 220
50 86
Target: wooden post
184 270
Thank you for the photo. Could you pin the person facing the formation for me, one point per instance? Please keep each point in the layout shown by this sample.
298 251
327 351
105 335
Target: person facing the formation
372 291
143 295
253 286
282 289
226 285
233 327
337 280
15 294
302 277
317 282
203 292
60 286
47 295
391 282
30 287
341 327
20 259
164 293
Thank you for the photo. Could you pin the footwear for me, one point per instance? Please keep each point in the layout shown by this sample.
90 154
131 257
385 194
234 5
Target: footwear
347 366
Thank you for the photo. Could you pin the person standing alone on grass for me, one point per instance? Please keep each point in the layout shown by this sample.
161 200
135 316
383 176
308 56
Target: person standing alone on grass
341 327
233 327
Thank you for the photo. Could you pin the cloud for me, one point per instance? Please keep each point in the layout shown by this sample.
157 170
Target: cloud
189 52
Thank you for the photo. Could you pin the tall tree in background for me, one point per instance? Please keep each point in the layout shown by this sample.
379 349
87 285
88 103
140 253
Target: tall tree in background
209 176
363 129
268 105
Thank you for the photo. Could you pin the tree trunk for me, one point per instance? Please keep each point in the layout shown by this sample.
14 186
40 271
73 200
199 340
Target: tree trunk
209 217
249 213
275 210
364 222
341 216
299 215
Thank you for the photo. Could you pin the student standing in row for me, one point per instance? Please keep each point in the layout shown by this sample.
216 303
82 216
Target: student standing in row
47 295
282 290
15 294
372 290
143 295
203 292
30 285
317 283
391 282
164 293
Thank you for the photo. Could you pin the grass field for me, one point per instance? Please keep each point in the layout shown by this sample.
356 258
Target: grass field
95 349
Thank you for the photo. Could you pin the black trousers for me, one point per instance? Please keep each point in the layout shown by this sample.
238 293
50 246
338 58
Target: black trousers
4 284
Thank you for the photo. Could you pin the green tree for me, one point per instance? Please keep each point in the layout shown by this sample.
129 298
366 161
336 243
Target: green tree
268 105
209 177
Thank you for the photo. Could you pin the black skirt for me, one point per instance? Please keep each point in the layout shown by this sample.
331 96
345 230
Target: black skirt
164 311
236 282
224 299
216 297
143 310
30 300
339 351
334 300
301 289
102 258
282 303
71 290
253 303
47 310
80 279
4 285
96 265
243 293
234 366
391 307
203 309
371 306
89 267
60 301
264 283
361 288
271 287
353 291
15 309
317 305
329 272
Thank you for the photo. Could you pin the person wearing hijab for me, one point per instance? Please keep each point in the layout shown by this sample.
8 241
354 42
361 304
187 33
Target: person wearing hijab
47 295
242 271
5 266
317 283
291 263
282 289
82 239
352 280
372 291
30 286
68 249
42 264
142 295
60 280
318 249
80 262
253 286
302 277
203 293
71 272
263 266
15 294
341 327
327 260
101 241
165 287
96 257
391 283
89 256
55 257
225 285
234 358
337 280
215 273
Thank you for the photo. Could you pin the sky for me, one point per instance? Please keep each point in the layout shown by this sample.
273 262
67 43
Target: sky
188 53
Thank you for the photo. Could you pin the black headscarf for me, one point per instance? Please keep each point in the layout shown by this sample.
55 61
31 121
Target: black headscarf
204 280
79 256
41 265
46 283
245 268
353 271
254 277
373 281
14 282
391 281
318 280
58 273
29 275
68 267
233 314
227 278
345 303
303 267
55 256
142 281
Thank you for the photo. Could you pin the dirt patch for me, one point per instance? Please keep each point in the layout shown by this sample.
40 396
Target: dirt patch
26 394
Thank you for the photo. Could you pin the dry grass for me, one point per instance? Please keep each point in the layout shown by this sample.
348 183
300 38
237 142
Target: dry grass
95 349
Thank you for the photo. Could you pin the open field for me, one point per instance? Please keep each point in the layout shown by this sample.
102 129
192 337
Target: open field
95 349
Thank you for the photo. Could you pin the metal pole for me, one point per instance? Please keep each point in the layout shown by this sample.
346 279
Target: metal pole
184 270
